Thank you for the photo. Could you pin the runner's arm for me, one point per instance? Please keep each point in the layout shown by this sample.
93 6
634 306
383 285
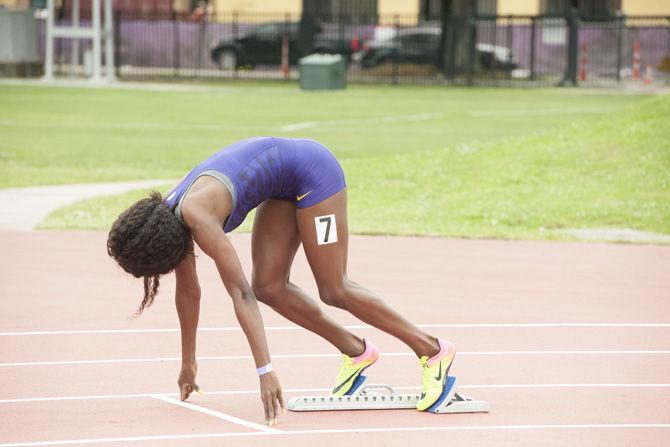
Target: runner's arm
213 241
187 301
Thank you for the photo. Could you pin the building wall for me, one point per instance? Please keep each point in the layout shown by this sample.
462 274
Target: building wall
646 7
385 7
519 7
628 7
410 7
15 4
258 6
400 7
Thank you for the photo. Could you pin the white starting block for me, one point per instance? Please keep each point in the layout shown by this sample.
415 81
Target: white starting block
383 397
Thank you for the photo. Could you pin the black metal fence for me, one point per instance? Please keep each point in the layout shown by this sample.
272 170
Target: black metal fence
491 50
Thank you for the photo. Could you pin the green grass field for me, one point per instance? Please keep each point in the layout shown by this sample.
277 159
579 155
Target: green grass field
503 163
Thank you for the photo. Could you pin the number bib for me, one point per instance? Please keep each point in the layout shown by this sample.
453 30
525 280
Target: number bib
326 229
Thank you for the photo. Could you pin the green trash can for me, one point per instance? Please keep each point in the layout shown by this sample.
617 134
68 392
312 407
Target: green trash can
323 72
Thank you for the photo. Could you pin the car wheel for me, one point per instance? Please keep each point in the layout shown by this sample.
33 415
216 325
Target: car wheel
227 60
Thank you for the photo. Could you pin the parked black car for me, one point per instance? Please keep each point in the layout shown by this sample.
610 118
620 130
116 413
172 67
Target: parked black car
421 46
263 45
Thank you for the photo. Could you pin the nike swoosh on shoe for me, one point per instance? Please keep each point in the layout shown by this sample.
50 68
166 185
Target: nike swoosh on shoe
339 387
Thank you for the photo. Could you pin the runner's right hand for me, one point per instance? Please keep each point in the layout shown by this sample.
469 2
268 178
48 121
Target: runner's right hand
186 380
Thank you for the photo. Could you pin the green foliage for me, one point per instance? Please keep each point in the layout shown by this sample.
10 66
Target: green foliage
611 171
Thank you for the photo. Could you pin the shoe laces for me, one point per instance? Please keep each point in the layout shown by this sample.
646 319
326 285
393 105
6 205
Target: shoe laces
347 361
426 377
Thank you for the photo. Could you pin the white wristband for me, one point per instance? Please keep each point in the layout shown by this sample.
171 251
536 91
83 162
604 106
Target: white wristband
264 369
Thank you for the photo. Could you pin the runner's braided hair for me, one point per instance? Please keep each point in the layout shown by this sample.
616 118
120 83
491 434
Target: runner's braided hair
147 240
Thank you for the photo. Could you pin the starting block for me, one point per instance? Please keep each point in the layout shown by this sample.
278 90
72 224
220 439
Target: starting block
383 397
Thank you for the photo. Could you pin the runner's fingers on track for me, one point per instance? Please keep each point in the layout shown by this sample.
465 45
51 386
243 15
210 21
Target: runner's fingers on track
275 405
265 408
186 389
280 398
269 408
270 392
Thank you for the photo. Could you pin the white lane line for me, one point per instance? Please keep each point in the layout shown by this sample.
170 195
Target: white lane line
299 126
326 390
140 395
307 356
566 352
127 126
303 356
352 326
216 414
345 431
362 121
538 112
564 385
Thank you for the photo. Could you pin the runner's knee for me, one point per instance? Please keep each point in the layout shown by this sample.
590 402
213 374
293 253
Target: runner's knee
268 292
335 296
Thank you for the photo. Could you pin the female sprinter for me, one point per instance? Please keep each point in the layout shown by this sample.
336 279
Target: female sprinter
299 189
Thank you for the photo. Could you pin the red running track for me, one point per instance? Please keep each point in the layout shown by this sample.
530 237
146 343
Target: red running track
570 344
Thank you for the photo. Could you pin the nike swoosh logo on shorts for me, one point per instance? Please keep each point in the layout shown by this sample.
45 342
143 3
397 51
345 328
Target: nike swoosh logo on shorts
299 198
338 387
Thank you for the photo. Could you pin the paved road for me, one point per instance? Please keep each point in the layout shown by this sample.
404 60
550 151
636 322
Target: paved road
25 208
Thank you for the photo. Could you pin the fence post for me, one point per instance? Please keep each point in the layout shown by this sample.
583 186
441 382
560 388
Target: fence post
533 25
117 43
394 62
202 33
175 44
285 47
236 35
472 47
583 61
444 38
510 39
451 47
570 76
619 46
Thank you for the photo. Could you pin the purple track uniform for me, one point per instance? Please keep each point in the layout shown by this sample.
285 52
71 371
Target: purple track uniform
257 169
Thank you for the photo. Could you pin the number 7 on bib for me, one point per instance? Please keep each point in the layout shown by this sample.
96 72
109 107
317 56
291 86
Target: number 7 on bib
326 229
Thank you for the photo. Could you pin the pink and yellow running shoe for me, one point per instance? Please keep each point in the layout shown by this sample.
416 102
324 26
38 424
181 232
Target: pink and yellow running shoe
350 378
434 377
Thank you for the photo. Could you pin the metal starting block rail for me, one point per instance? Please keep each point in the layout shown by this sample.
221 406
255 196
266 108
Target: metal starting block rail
383 397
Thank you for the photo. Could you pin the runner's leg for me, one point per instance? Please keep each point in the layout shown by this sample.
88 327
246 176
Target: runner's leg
274 243
328 260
